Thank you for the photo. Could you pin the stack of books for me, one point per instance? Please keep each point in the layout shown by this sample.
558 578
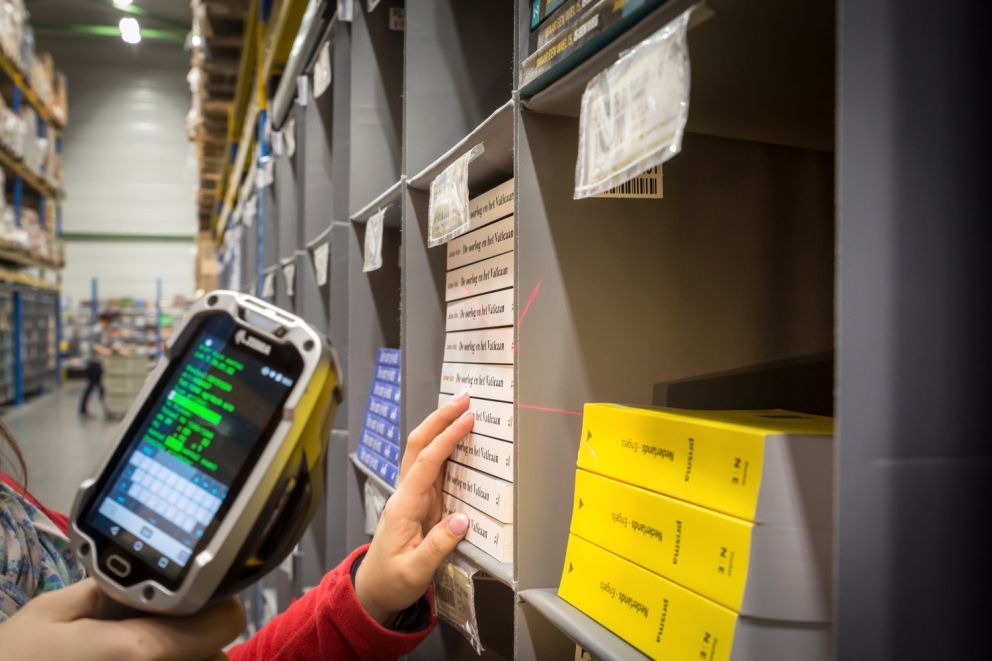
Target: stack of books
379 445
478 358
565 33
704 534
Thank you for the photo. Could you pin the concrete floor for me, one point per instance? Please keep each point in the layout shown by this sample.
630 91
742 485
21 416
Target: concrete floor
60 448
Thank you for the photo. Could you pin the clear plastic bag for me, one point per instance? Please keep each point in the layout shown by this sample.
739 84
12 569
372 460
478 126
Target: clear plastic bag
373 242
447 212
633 113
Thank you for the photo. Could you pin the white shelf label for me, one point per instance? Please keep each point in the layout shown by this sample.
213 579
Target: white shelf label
397 18
375 502
322 71
448 212
373 242
289 272
289 136
302 90
454 594
321 262
633 113
346 10
269 285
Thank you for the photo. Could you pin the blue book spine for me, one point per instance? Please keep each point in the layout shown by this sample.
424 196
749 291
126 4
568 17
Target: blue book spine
382 427
388 374
378 465
388 357
391 451
384 409
386 391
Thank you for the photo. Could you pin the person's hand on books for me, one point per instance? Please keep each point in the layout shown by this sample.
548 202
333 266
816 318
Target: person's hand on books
412 539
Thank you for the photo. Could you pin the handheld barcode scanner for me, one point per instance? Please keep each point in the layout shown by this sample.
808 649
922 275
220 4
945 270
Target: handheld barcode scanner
218 465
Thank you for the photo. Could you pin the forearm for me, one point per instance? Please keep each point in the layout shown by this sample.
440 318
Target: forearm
329 622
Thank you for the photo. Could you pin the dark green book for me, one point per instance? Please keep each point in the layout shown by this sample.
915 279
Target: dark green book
541 10
566 16
597 26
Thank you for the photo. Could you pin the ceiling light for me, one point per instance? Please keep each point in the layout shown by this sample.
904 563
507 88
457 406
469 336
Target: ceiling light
122 4
130 31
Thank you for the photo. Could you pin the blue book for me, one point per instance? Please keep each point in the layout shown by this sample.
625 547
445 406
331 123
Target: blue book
386 391
378 465
382 427
387 374
391 451
384 409
388 357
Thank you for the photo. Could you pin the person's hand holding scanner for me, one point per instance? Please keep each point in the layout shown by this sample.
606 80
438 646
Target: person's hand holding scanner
411 539
58 625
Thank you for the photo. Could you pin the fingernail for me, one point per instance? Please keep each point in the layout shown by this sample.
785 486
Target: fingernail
459 397
458 524
466 415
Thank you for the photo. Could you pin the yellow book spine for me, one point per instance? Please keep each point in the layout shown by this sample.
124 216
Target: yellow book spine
715 466
705 551
655 615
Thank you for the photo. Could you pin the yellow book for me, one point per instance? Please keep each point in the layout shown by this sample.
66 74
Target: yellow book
667 621
766 466
757 570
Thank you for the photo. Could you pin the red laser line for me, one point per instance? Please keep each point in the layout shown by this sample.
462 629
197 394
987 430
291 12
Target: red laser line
530 300
548 409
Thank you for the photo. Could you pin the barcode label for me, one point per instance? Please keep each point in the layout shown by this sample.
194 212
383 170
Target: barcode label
644 186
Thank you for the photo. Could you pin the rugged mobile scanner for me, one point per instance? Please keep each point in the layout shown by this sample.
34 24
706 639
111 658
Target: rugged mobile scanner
218 465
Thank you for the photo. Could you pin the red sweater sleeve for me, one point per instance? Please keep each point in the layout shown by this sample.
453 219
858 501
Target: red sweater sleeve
328 622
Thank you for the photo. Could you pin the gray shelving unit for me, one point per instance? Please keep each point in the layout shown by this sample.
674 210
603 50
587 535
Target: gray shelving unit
694 299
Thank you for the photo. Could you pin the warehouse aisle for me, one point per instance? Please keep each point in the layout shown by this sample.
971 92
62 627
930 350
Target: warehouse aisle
59 447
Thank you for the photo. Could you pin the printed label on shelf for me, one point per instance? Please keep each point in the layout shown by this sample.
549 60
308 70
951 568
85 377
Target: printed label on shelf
382 427
490 345
448 211
484 492
397 19
481 244
269 285
633 113
489 455
302 89
454 598
480 278
491 418
485 381
375 502
289 273
373 242
644 186
321 262
289 135
484 531
322 71
485 311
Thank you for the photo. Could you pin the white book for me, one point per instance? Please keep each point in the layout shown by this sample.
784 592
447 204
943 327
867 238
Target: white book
485 311
484 531
480 278
491 205
491 418
489 494
485 381
489 345
489 455
485 242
